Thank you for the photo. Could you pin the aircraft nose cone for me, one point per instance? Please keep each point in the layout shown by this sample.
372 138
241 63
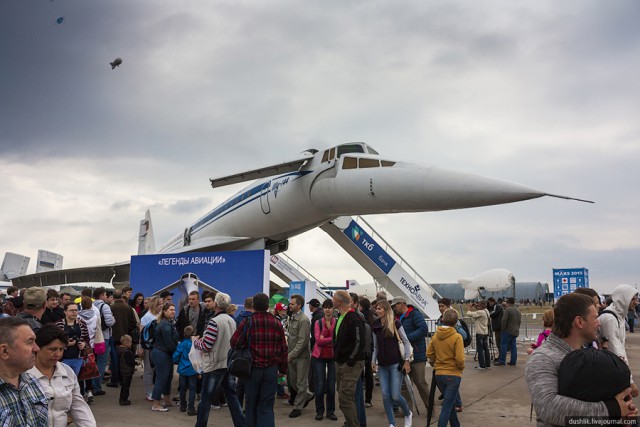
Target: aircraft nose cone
412 188
461 190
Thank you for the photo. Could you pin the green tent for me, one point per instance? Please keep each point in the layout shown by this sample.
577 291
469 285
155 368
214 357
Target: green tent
278 298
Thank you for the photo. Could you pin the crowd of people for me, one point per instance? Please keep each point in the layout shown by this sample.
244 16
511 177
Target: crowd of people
48 342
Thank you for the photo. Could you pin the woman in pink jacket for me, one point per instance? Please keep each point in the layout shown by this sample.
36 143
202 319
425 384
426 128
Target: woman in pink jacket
324 363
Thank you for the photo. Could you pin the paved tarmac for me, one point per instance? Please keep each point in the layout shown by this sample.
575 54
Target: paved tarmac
495 397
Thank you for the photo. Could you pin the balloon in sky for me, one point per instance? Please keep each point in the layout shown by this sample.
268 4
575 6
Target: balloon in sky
59 20
116 62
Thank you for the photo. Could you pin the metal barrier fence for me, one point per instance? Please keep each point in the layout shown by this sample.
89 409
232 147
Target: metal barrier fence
530 328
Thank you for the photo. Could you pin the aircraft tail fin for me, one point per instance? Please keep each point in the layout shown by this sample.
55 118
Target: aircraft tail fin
48 261
146 241
14 265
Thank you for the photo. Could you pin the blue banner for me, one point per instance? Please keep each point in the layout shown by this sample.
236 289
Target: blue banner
240 274
296 288
567 280
367 245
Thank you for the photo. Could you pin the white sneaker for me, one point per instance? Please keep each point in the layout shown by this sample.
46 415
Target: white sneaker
407 419
88 396
215 406
391 425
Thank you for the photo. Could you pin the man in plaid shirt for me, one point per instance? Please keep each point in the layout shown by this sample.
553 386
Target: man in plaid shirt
269 353
22 401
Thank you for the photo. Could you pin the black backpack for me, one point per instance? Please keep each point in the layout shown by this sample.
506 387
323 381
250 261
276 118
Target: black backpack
149 335
467 340
103 323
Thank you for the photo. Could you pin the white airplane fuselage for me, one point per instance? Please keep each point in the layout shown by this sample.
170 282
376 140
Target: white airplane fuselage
497 279
331 184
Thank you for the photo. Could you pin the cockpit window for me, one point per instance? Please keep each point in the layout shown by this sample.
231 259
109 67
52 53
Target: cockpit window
368 163
325 156
349 163
387 163
350 148
371 150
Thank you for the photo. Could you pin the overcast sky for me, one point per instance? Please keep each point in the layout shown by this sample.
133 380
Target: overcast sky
542 93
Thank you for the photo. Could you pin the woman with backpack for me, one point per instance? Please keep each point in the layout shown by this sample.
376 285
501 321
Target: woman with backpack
387 360
154 305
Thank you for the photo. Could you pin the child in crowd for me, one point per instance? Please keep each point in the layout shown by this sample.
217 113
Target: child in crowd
127 365
188 375
547 322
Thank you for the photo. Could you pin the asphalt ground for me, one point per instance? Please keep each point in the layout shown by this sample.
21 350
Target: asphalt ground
494 397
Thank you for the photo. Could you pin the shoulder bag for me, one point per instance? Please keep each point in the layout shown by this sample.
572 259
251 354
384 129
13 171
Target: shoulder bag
239 360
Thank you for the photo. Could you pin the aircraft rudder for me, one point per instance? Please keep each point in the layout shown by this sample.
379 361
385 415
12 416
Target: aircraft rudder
146 240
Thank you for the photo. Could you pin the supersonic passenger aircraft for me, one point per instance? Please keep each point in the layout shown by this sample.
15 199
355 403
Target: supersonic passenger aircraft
293 197
349 179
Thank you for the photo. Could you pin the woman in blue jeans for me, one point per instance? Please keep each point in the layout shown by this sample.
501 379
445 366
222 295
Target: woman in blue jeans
164 344
446 354
324 363
388 362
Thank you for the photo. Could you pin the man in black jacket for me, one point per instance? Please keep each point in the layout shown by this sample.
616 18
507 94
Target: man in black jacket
349 352
192 314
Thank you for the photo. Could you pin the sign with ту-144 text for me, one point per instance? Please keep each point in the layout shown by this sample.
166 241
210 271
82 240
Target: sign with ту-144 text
567 280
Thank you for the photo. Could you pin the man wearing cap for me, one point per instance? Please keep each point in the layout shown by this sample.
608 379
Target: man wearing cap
167 297
416 329
575 324
35 302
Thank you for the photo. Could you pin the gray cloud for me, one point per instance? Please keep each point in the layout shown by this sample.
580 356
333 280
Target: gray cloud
544 94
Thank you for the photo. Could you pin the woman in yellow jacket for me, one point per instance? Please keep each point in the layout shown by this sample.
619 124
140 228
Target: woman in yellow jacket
446 355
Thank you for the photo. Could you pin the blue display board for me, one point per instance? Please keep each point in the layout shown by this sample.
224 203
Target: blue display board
240 274
296 288
370 248
567 280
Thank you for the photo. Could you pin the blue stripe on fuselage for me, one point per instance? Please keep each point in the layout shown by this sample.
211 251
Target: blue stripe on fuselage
240 200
